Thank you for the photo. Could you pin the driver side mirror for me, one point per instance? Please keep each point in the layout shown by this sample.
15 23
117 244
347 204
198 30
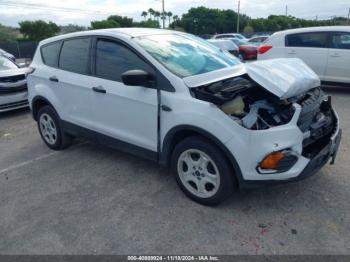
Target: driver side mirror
138 78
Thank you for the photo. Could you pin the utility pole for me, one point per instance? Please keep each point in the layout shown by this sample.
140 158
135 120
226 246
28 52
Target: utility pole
349 17
163 14
286 10
239 4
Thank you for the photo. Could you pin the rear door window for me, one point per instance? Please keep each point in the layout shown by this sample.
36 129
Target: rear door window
340 40
50 53
312 39
75 55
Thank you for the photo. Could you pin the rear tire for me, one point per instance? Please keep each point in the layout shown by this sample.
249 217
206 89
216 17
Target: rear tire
202 171
50 129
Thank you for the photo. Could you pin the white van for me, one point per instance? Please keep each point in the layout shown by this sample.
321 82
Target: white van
325 49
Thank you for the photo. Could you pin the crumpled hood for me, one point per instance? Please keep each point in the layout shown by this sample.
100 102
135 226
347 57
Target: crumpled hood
284 77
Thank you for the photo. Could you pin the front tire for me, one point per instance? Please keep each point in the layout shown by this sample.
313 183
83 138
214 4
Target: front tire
202 171
50 129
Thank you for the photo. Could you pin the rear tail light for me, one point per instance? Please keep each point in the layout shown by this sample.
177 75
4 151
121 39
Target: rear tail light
264 48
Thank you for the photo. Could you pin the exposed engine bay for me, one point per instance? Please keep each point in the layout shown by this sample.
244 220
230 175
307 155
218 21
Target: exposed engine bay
255 108
247 103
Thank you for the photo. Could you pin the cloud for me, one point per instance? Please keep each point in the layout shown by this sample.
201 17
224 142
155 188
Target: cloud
83 11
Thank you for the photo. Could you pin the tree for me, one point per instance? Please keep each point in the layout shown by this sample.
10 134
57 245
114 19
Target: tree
169 14
163 17
149 24
123 21
151 13
64 29
202 20
157 15
104 24
8 34
38 30
144 14
248 29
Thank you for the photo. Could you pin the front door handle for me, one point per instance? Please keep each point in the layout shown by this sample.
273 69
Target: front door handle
292 52
53 78
99 89
335 55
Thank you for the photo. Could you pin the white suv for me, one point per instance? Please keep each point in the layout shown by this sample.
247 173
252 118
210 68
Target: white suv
325 49
178 100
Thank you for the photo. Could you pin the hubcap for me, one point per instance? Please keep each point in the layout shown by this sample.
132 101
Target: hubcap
198 173
48 129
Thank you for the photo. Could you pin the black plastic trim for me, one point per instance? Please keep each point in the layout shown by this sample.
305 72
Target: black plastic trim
34 100
108 141
167 147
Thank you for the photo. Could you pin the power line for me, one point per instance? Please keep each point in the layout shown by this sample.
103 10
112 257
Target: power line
52 8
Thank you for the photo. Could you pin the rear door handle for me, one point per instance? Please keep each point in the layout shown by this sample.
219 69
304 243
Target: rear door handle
99 89
53 78
335 55
292 52
165 108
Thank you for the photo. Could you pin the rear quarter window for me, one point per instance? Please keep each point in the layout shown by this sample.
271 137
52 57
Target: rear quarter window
312 39
50 53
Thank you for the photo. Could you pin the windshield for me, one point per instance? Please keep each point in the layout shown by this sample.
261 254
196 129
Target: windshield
186 55
6 64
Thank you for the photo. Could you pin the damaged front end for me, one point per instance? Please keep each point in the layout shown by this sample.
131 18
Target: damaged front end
247 103
276 111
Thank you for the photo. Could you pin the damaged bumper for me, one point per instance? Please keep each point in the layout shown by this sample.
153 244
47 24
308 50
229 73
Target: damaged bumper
305 167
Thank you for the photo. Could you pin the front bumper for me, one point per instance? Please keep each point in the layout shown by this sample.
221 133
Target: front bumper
13 101
315 164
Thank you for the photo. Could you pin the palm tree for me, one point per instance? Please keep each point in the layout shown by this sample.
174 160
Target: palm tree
151 12
169 14
163 16
157 15
144 14
175 17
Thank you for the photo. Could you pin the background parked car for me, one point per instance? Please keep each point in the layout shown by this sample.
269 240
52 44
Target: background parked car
206 36
229 35
247 51
258 40
226 45
13 85
6 54
325 49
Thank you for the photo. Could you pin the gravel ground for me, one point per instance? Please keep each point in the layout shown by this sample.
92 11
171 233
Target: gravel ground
91 200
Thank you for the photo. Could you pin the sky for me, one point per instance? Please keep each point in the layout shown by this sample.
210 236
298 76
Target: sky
81 12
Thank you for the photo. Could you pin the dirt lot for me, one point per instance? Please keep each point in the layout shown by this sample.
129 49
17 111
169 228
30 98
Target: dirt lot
92 200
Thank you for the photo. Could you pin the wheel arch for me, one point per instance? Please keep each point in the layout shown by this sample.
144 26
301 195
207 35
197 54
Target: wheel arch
37 103
178 133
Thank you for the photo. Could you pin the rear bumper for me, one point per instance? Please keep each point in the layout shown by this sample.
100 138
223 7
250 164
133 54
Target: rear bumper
316 163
